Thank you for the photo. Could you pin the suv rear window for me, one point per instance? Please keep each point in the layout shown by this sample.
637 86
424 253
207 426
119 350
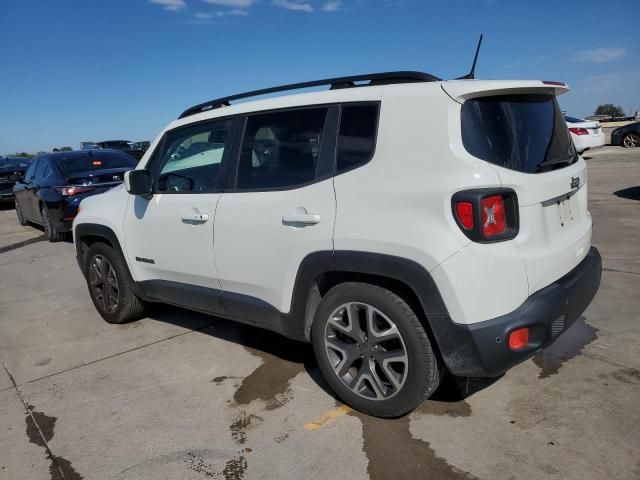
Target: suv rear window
95 160
526 133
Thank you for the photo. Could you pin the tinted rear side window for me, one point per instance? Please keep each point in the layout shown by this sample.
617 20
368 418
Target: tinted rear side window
281 149
357 138
95 160
526 133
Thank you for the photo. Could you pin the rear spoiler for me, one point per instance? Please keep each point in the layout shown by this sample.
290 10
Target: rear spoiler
461 90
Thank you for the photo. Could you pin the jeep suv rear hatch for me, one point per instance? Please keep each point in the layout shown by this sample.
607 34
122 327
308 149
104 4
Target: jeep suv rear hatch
521 132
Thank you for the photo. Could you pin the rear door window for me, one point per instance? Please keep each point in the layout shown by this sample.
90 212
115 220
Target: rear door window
526 133
281 149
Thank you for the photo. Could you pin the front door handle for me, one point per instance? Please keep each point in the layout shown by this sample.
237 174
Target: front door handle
301 219
194 217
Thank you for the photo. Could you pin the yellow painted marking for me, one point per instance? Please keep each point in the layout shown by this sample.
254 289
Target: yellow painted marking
327 418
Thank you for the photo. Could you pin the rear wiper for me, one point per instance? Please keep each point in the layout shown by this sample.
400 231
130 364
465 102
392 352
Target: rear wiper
550 163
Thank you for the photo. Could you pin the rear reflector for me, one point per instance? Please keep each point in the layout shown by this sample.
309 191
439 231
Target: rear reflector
519 338
96 163
464 210
493 216
579 131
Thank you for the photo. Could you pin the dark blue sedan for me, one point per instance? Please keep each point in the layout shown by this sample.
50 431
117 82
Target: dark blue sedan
54 184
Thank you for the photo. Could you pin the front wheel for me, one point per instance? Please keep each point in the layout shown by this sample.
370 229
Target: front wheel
373 351
21 220
631 140
111 286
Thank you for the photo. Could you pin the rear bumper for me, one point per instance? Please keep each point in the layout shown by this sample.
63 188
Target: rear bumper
481 349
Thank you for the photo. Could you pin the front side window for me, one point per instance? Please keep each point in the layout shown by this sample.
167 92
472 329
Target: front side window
42 168
281 149
357 138
29 174
526 133
191 158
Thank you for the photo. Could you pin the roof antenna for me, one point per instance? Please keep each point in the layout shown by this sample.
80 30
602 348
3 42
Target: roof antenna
472 74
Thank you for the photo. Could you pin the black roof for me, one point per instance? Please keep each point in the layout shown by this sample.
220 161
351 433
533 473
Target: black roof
335 83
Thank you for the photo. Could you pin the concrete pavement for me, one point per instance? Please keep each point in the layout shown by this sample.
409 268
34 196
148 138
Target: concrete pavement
181 395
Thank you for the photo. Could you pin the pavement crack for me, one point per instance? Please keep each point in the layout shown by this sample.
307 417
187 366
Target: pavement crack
24 243
620 271
41 433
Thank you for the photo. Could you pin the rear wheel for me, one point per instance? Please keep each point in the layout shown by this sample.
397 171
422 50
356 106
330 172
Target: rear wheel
631 140
21 220
111 286
373 351
52 234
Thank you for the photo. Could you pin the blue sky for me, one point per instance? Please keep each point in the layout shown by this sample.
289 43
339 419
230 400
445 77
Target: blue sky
108 69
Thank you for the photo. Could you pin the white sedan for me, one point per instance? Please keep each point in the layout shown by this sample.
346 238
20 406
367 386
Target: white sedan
584 133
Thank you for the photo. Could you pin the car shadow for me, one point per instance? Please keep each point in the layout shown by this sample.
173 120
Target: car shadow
7 205
631 193
452 389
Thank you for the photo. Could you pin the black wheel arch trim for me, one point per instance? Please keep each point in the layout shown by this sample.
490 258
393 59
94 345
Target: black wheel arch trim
85 230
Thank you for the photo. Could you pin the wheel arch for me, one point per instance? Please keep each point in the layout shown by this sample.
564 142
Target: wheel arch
86 234
321 271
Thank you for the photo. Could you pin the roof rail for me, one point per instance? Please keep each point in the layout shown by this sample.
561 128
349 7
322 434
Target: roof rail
336 83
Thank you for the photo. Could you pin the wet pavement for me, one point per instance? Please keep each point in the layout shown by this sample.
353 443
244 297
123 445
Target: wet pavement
184 395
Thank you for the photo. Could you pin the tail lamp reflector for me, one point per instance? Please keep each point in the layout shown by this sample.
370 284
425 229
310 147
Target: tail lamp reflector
518 339
493 216
464 210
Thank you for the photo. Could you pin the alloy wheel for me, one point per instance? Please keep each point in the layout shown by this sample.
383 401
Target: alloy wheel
631 140
366 351
104 283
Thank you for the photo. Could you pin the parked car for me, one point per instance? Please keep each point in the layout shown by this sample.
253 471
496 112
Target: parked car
11 170
406 227
55 184
584 133
122 145
627 136
144 145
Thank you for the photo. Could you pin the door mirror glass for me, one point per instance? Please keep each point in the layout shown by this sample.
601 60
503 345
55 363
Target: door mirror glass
138 182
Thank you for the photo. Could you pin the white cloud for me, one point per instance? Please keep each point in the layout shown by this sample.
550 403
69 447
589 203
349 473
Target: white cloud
332 5
235 11
171 5
599 55
232 3
203 16
293 5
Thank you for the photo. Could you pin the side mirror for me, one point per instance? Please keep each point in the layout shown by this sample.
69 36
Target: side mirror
138 182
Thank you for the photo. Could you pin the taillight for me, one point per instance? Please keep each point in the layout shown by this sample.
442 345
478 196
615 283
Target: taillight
487 215
579 131
70 191
464 210
493 217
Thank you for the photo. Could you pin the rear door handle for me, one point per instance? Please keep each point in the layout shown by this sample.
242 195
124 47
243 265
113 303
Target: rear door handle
301 219
193 217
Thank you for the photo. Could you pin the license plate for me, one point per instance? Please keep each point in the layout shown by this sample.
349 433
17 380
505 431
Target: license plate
565 212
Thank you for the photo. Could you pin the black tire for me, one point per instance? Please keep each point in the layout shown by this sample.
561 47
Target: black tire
128 306
423 372
52 234
21 220
631 140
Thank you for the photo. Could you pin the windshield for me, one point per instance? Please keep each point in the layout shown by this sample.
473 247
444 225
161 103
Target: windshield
14 162
95 160
526 133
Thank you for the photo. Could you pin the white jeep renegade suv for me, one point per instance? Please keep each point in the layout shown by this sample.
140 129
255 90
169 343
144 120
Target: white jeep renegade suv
406 226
